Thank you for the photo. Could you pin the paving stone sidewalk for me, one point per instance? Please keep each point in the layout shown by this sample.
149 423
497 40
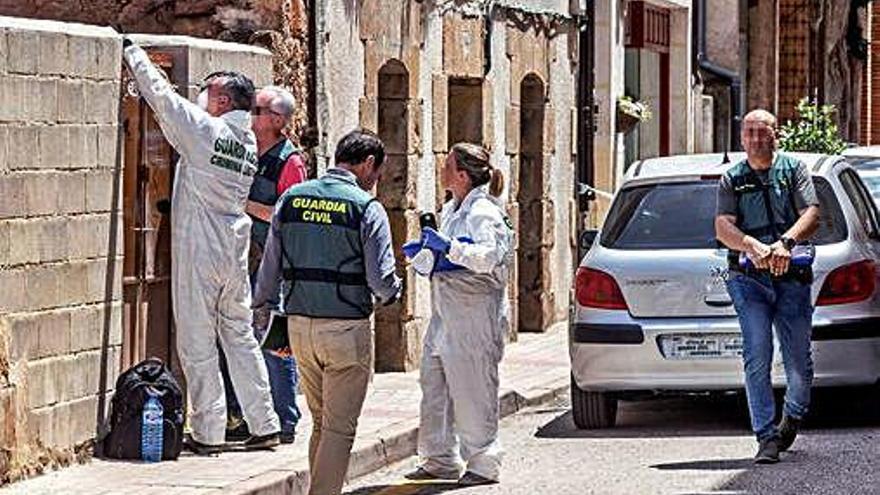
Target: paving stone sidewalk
535 369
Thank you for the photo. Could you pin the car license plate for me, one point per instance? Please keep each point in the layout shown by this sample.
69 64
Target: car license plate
701 346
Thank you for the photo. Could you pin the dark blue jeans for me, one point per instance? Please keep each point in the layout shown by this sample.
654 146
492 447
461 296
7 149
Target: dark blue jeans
283 380
763 304
283 375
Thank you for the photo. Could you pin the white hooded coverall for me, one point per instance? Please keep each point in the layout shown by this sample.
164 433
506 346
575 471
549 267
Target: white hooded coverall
210 236
465 342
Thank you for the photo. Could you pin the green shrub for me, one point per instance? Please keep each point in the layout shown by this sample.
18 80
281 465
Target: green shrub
814 131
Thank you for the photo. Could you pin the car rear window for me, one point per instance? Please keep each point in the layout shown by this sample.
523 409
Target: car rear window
682 216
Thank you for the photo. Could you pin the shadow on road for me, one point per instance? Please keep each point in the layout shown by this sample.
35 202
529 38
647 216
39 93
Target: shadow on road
665 417
707 465
816 467
727 415
413 488
851 407
836 452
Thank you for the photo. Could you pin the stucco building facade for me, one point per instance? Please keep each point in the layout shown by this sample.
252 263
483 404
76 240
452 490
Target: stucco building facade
643 51
425 75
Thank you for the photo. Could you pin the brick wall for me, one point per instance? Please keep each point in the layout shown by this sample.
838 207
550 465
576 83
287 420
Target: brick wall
60 236
870 111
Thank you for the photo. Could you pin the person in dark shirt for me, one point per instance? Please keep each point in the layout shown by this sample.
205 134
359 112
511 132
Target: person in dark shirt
279 167
766 206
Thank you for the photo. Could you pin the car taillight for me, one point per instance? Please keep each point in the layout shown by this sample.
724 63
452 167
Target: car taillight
848 284
596 289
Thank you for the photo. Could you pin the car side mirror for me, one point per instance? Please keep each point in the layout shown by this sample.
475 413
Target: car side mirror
587 238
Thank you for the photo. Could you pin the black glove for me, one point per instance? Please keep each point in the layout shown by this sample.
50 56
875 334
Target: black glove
126 42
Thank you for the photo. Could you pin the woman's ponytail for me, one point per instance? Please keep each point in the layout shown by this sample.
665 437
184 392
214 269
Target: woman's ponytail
496 182
474 160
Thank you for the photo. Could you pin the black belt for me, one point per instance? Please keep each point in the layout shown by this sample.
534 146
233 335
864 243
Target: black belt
324 275
795 273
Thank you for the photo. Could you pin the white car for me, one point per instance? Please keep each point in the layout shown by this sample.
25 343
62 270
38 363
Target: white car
866 161
652 312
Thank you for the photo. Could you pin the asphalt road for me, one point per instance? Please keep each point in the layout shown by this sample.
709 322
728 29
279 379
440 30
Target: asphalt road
675 446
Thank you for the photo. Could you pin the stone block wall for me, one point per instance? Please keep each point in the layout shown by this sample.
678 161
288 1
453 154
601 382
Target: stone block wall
456 76
60 237
61 229
538 137
195 58
389 106
281 25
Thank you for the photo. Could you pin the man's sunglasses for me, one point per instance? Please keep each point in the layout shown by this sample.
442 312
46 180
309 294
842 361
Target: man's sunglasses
263 111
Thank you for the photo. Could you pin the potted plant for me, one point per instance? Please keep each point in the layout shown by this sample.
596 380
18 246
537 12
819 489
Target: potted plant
630 112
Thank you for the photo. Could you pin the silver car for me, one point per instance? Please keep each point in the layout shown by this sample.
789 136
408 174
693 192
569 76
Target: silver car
866 161
652 312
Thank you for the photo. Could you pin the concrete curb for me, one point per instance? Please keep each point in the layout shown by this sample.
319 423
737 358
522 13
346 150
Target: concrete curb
398 444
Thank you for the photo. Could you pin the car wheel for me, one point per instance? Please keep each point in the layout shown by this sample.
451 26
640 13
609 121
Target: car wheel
591 410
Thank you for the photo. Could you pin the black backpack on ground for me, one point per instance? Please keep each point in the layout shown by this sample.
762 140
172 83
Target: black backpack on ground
133 388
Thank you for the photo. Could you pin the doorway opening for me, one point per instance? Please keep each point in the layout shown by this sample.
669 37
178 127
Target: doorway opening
465 104
392 349
532 249
464 121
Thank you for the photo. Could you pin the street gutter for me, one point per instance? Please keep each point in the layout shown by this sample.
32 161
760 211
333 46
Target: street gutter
398 443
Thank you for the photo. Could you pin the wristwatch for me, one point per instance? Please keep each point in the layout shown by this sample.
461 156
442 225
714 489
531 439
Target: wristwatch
787 242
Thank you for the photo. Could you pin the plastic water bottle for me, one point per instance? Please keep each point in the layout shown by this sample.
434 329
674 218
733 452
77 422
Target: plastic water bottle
151 430
423 262
803 255
744 261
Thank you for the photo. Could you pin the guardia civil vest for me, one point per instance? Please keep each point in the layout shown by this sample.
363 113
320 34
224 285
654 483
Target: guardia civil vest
765 212
264 190
323 258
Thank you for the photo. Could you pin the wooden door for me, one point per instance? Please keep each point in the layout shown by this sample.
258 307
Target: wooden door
147 176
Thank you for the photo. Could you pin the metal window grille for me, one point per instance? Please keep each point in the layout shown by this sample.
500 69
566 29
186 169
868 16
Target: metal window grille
795 43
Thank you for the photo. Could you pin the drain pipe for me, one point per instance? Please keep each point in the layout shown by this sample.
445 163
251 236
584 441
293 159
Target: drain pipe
585 103
732 78
312 78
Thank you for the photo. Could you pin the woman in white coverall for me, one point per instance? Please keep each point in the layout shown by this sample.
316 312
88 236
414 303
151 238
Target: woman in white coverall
210 237
465 338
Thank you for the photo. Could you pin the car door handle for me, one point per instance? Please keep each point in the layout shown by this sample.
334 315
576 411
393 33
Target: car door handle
718 302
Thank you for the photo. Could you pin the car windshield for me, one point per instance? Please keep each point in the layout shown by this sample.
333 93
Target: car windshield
682 216
869 170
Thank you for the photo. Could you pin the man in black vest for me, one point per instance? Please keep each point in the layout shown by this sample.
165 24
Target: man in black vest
280 166
330 242
766 206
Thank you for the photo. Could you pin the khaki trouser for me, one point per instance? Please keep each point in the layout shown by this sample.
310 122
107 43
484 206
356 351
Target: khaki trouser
335 360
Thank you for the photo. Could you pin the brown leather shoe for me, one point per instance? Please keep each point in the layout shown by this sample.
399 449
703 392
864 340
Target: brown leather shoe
262 442
473 479
422 474
199 448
